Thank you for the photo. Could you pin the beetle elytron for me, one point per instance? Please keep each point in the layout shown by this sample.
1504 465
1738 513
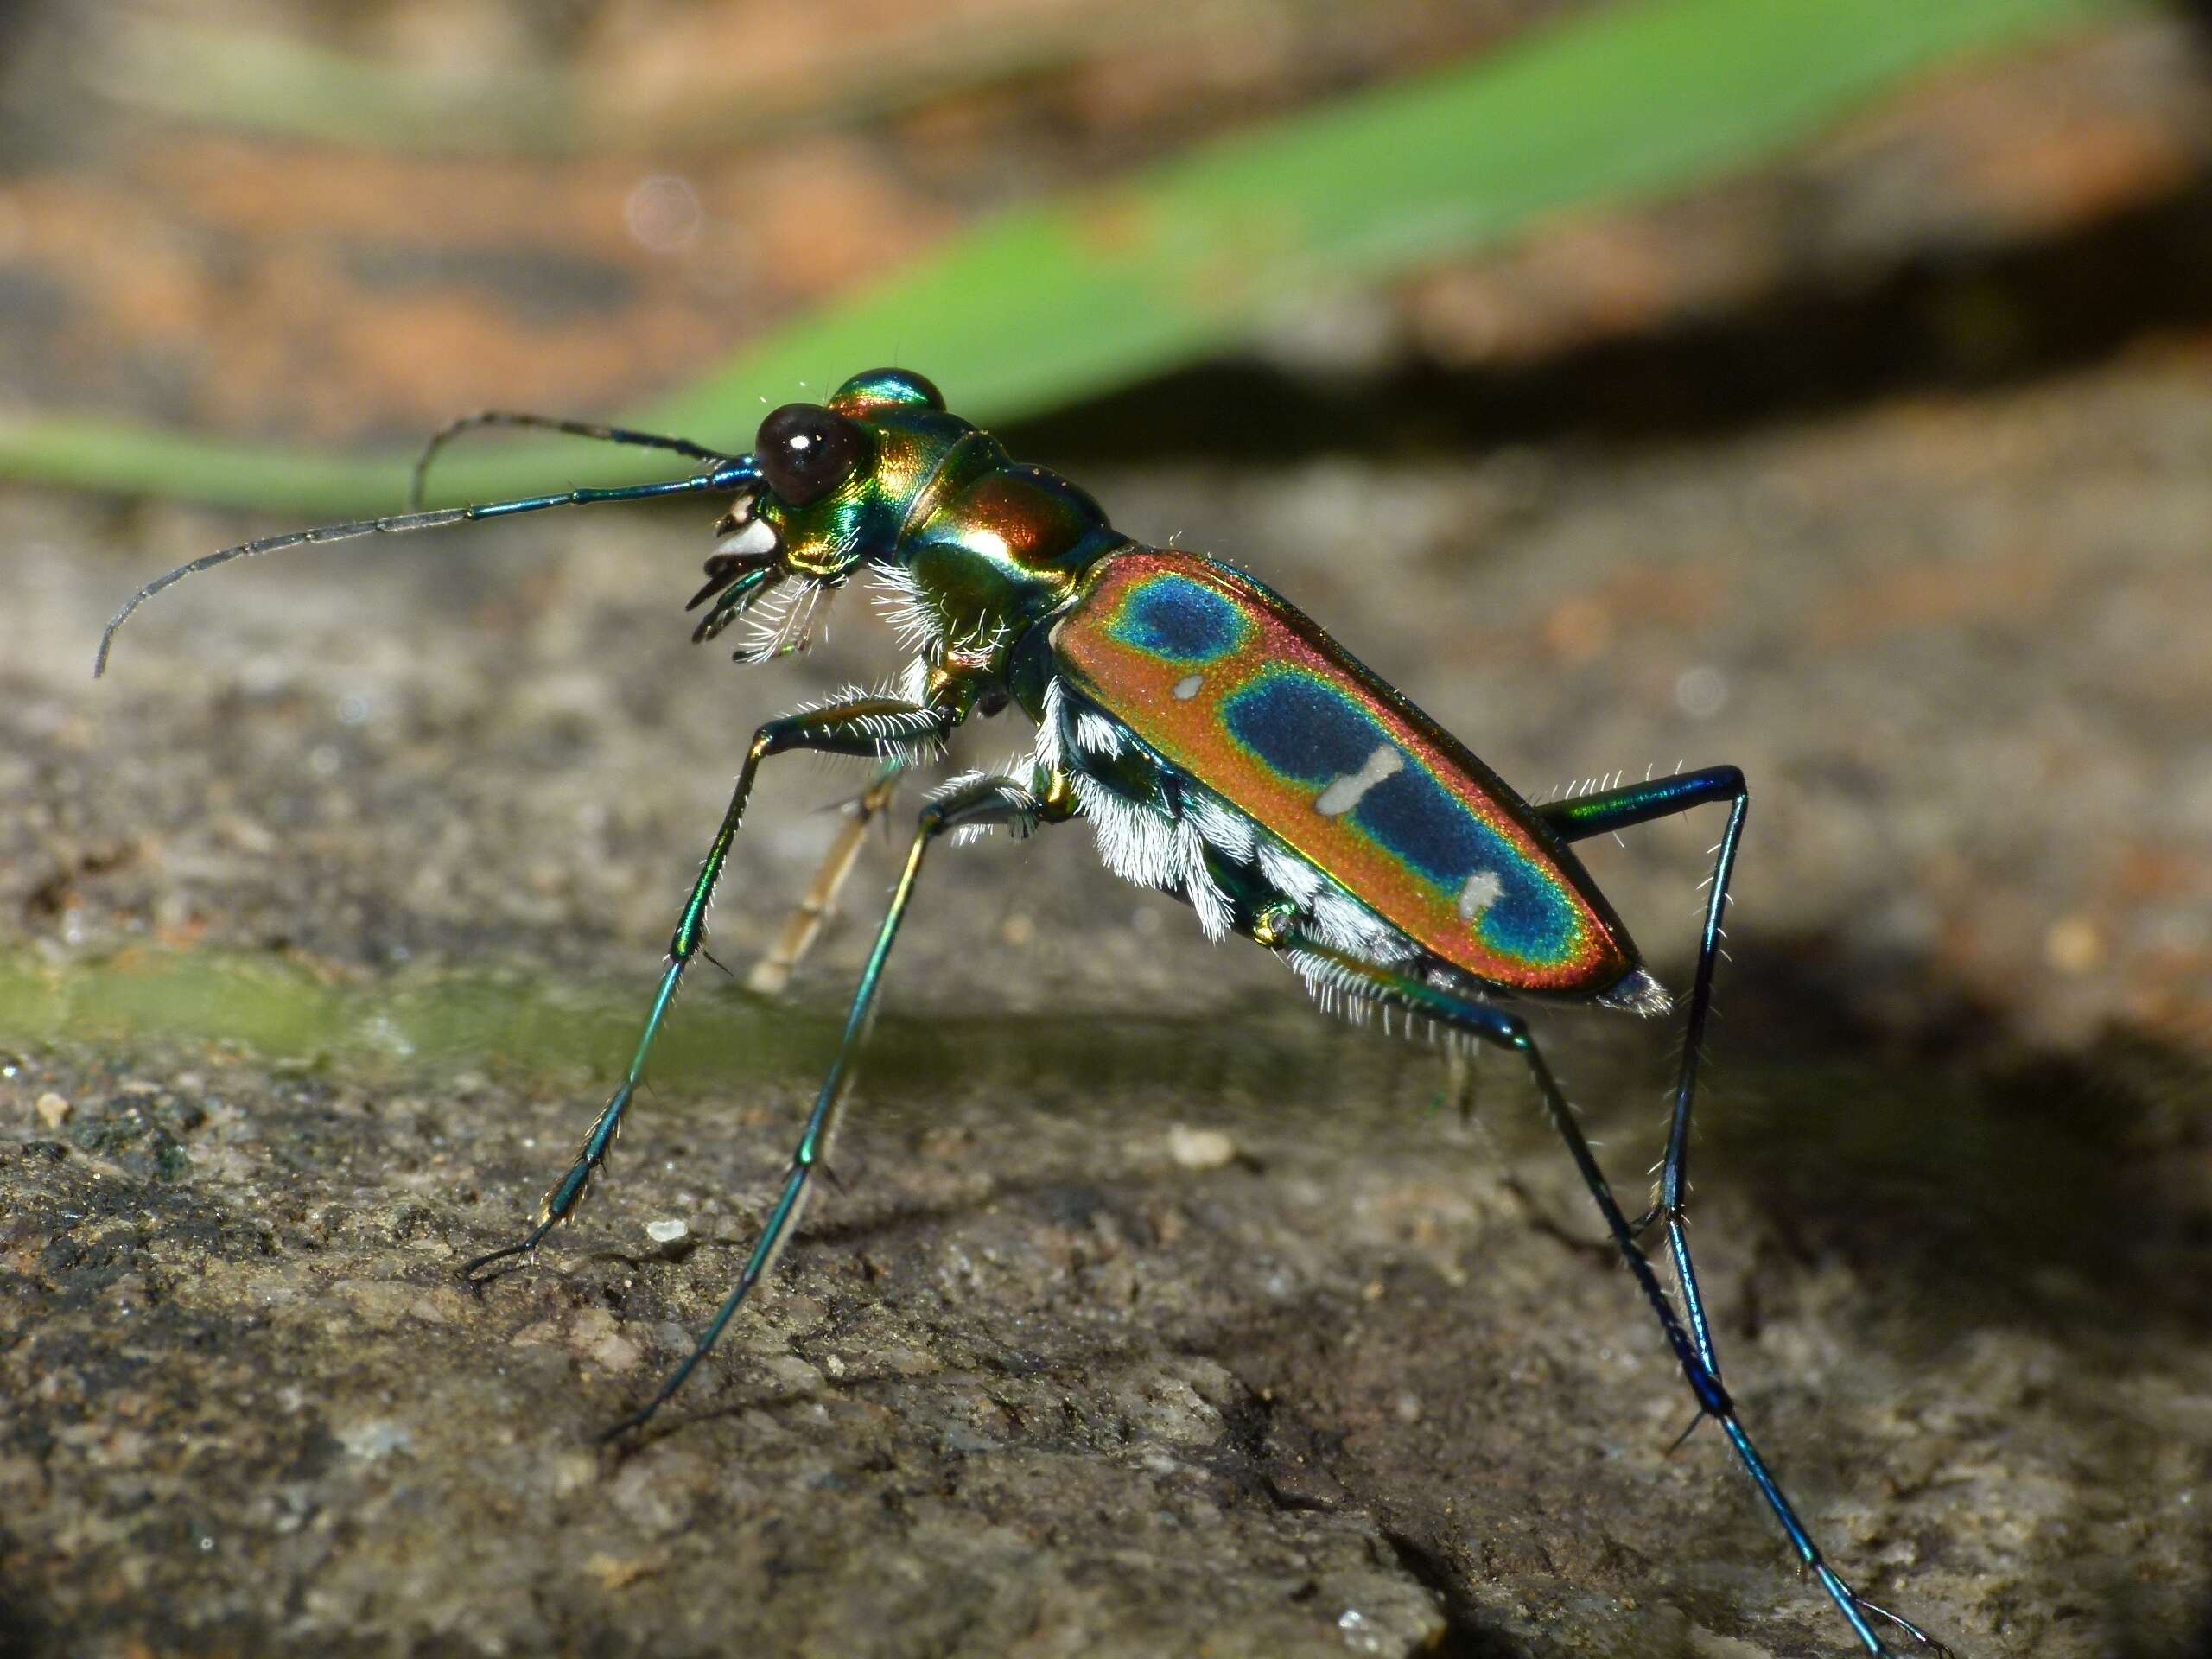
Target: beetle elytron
1223 748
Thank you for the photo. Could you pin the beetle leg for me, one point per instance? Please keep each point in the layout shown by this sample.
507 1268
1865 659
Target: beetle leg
864 725
977 803
1491 1024
773 973
1619 809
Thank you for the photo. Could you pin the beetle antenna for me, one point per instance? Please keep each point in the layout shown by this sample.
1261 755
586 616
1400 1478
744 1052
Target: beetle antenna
732 475
591 430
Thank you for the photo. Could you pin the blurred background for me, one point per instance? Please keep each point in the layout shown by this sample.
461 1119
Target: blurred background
1818 386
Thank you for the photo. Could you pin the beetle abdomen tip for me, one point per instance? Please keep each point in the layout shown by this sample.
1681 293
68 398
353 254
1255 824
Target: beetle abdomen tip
1639 993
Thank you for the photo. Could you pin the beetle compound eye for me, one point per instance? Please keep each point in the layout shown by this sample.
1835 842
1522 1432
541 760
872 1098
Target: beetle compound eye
805 451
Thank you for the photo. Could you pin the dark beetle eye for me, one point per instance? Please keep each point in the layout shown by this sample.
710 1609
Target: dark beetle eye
805 451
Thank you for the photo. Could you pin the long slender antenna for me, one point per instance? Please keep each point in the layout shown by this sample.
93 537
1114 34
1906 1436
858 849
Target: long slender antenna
591 430
730 475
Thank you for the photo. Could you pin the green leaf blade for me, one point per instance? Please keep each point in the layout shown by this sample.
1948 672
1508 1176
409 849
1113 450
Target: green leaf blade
1071 298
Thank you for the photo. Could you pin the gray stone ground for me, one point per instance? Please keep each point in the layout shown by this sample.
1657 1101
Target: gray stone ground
1033 1384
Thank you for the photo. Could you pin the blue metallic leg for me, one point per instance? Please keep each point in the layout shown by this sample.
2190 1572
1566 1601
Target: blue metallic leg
987 801
725 476
1494 1025
446 435
868 725
1620 809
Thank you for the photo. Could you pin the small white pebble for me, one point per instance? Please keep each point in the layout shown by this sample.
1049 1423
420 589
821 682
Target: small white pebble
52 1110
1200 1148
666 1232
374 1437
1358 1631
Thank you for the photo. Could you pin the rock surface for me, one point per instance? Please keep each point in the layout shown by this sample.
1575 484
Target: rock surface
1036 1381
1154 1314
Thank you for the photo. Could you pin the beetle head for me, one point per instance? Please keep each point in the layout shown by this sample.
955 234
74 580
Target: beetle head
832 486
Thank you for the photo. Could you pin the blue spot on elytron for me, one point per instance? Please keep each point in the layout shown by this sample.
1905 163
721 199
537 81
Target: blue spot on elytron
1305 728
1179 619
1301 727
1417 820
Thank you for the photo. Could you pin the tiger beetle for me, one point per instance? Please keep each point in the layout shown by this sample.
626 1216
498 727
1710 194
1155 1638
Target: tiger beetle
1223 748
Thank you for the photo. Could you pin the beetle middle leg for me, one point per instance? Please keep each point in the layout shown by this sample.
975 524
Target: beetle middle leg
772 974
865 726
1459 1012
975 804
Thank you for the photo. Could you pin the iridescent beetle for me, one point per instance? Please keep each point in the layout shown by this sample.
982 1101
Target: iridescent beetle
1224 749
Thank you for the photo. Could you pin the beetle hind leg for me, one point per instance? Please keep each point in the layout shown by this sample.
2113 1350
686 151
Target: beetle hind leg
1456 1011
1622 809
772 975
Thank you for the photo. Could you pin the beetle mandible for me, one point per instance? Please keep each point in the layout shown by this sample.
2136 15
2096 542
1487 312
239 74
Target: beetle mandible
1224 749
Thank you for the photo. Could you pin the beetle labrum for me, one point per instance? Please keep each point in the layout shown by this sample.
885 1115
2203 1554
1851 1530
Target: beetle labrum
1224 749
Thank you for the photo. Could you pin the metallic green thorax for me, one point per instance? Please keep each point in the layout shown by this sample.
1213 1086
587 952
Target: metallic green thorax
982 547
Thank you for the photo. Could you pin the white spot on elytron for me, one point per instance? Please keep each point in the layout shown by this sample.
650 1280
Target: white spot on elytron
1483 890
1347 792
1188 688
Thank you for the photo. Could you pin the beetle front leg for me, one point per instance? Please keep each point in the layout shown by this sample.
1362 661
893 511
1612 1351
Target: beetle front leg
862 727
972 804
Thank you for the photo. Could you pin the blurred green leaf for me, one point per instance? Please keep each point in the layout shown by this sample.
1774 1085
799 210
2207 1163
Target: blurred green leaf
266 83
1077 296
247 79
